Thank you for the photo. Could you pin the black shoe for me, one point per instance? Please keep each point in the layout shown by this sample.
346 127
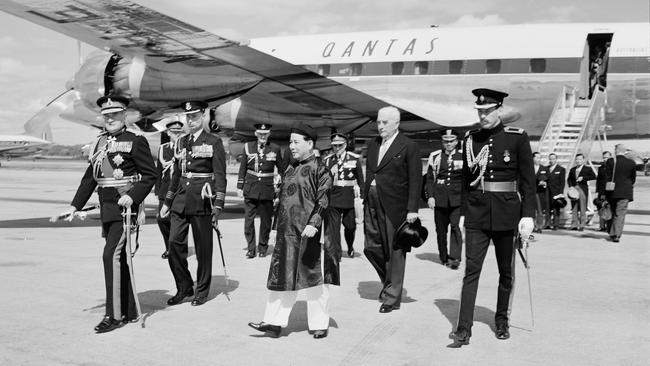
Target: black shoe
272 330
461 338
199 300
165 255
107 324
547 227
385 308
250 254
351 252
554 228
502 331
262 253
574 229
322 333
178 298
453 264
615 239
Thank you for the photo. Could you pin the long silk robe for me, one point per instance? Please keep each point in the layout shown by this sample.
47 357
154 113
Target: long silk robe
296 261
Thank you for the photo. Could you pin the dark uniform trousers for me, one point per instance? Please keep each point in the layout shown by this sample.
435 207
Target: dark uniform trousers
164 224
265 209
337 216
388 262
448 218
476 246
116 273
202 235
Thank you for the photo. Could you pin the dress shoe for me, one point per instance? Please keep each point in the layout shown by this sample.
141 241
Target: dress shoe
262 253
461 337
615 239
581 229
250 254
273 330
554 228
453 264
199 300
385 308
107 324
351 252
178 298
165 255
502 331
574 229
321 333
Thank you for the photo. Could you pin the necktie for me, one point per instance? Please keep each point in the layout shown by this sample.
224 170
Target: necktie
382 151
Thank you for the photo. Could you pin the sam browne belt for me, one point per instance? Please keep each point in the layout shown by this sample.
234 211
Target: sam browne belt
260 175
487 186
191 175
113 182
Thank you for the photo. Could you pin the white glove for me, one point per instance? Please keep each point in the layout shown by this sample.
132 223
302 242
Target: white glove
357 191
240 193
125 201
411 217
526 226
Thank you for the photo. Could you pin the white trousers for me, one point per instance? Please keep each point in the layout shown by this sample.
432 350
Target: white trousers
280 303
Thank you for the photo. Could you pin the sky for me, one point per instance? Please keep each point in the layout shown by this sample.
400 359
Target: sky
35 63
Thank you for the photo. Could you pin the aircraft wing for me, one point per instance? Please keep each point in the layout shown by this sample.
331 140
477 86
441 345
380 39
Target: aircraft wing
284 89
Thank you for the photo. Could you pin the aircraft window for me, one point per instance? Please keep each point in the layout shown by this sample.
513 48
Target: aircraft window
492 66
421 68
537 65
323 70
356 69
456 67
397 68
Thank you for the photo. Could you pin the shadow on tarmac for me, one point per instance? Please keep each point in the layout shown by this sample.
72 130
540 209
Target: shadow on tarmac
433 257
449 308
370 290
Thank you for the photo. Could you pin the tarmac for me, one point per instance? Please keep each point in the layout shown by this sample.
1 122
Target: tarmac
591 296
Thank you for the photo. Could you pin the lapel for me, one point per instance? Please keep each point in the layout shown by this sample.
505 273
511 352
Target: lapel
373 153
395 147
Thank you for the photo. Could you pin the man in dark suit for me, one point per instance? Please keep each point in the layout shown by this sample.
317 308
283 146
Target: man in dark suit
200 171
443 191
622 172
542 212
256 183
579 176
601 179
165 170
498 200
391 196
122 171
556 182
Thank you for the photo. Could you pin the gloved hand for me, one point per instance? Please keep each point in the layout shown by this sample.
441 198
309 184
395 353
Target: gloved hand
431 203
357 191
309 231
67 215
216 212
125 201
411 217
164 211
526 226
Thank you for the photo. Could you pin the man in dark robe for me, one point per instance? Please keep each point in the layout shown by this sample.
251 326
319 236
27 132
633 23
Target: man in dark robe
296 260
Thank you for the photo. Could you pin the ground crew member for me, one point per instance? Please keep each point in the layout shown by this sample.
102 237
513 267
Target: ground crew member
443 191
498 199
122 170
347 175
256 185
196 197
165 170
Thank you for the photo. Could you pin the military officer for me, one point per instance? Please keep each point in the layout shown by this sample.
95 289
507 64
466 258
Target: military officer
122 170
195 197
345 167
498 200
256 184
165 170
443 188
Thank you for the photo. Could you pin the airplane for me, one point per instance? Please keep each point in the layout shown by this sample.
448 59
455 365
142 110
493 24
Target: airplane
13 146
339 81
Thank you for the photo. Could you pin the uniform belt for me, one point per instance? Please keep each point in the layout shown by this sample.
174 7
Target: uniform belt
498 186
260 175
345 183
114 182
191 175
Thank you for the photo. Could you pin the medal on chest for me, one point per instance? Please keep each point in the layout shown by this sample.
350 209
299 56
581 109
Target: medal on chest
118 160
506 156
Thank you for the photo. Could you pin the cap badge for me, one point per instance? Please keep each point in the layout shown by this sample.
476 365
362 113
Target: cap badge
188 106
481 98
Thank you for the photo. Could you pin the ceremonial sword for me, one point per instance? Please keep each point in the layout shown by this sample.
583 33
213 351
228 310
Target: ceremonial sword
522 249
126 219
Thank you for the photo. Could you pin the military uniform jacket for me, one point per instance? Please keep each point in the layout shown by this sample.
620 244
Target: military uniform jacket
586 173
256 171
205 155
541 176
504 155
346 173
556 180
398 177
165 167
295 263
118 157
444 178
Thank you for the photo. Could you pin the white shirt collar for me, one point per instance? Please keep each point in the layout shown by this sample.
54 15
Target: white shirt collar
197 134
390 140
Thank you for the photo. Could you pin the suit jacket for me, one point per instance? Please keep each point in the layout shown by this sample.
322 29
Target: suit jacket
624 177
556 180
120 155
264 162
586 173
398 177
444 180
205 155
542 175
601 178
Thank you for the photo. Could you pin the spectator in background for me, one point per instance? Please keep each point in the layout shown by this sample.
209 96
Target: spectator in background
542 210
600 188
556 181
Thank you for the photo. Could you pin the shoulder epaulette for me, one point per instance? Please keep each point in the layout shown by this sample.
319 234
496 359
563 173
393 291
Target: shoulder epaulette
354 155
134 131
516 130
434 153
469 132
327 157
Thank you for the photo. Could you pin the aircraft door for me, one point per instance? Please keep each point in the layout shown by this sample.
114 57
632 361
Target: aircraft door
595 59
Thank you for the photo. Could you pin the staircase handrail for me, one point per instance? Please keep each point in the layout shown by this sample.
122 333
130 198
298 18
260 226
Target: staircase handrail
591 117
560 103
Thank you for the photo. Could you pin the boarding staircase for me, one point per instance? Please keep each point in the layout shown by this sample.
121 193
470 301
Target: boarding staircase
574 125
